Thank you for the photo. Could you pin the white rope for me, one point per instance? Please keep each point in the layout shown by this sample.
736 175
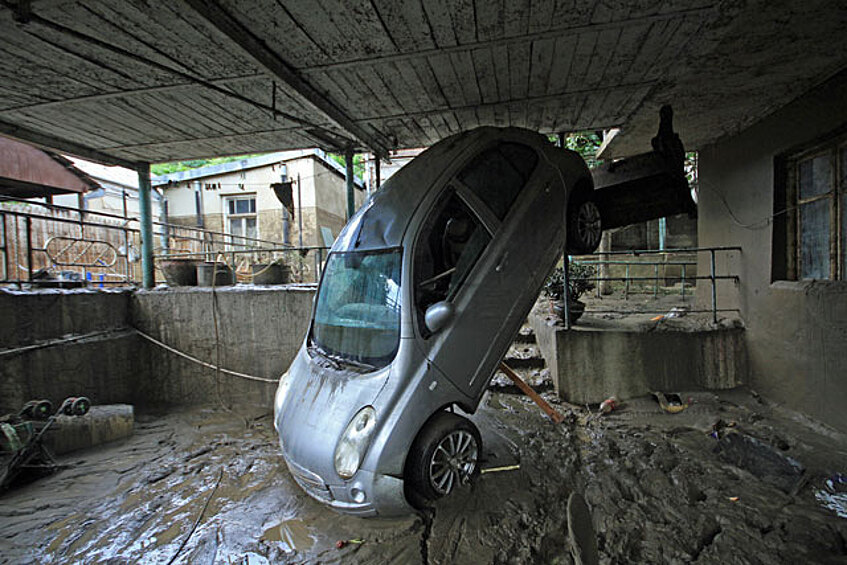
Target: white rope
203 363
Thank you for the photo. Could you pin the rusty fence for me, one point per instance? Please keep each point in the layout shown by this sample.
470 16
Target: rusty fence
656 272
53 245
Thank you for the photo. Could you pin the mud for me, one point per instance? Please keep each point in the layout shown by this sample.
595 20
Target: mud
656 485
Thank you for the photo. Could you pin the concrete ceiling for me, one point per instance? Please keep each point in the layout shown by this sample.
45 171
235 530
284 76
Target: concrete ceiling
156 80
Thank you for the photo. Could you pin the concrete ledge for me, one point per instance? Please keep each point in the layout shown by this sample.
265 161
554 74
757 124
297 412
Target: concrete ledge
102 424
589 365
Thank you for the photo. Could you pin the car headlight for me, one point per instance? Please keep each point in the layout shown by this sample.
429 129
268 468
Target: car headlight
279 397
354 442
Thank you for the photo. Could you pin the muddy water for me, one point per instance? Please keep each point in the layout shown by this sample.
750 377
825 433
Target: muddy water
206 487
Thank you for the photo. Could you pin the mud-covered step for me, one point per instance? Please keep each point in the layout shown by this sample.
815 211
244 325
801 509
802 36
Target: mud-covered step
524 356
525 335
538 379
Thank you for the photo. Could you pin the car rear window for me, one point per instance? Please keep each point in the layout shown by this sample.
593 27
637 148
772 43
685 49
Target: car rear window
497 175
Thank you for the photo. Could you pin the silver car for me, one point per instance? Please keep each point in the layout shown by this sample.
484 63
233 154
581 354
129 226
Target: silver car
422 294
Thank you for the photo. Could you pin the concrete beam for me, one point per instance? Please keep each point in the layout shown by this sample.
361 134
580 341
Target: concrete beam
221 20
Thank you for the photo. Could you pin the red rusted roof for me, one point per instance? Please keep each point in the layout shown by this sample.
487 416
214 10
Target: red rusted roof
27 172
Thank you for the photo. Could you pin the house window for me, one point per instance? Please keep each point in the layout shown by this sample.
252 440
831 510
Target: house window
817 198
241 216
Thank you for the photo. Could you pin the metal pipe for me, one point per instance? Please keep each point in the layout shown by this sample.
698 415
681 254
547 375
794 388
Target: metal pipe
714 287
144 187
299 212
376 167
5 249
348 173
566 307
29 247
626 287
656 285
683 282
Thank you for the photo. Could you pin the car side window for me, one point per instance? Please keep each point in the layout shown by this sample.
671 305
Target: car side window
497 175
450 242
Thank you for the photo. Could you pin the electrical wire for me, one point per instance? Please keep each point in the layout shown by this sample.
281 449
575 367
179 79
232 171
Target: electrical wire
753 226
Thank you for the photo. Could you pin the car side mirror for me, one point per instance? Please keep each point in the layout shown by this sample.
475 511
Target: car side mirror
438 315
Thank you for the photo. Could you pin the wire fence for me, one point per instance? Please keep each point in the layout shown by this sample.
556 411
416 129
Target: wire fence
653 272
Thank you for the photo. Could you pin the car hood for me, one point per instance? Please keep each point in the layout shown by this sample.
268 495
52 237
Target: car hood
319 404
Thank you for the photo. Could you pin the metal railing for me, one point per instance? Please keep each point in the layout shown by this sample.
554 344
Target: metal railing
97 247
604 259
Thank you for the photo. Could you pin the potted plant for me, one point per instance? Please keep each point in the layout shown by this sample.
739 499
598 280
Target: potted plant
579 282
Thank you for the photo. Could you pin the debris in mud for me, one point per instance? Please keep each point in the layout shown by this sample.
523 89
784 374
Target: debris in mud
671 402
834 494
583 540
761 459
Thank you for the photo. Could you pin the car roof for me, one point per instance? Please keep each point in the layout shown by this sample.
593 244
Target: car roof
382 221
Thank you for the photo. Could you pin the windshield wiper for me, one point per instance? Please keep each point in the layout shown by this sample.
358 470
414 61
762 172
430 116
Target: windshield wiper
336 360
315 348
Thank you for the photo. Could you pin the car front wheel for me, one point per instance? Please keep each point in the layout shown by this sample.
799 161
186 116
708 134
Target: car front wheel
444 456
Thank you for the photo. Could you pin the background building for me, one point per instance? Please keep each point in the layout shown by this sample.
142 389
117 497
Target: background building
240 197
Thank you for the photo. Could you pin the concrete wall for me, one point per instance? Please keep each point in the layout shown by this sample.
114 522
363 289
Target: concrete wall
101 367
796 331
260 330
589 365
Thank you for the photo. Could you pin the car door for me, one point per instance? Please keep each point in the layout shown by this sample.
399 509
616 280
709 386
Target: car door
467 254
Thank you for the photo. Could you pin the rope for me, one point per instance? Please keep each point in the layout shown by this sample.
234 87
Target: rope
60 341
203 363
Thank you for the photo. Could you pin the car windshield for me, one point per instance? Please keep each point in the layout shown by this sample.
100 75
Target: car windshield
357 318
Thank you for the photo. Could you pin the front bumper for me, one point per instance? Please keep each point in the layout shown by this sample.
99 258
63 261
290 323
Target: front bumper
384 494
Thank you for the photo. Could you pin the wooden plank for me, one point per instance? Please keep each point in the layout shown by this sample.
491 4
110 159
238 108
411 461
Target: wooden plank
581 61
560 71
519 64
486 75
314 21
411 91
428 81
603 50
540 66
516 17
649 49
463 65
527 390
624 54
448 82
440 21
541 15
464 14
489 19
674 49
370 78
361 27
500 64
407 23
275 24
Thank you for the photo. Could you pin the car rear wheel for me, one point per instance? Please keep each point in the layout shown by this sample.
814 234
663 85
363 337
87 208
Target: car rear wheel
444 456
585 227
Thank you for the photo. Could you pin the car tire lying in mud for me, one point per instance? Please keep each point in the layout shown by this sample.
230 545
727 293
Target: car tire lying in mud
444 455
584 224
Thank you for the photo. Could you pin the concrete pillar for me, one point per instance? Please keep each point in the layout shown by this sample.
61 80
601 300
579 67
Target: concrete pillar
605 246
145 209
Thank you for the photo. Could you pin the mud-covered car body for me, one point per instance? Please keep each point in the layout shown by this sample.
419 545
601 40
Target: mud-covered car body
423 292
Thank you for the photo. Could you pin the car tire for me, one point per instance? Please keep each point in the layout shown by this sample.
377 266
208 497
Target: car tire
445 454
585 226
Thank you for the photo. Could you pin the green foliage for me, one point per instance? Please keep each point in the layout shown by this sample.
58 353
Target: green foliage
579 281
167 168
586 143
358 163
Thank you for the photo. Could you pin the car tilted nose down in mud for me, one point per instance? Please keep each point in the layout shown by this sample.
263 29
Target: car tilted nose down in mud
422 293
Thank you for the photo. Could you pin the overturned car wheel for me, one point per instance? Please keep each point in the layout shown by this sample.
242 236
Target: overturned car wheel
444 456
584 225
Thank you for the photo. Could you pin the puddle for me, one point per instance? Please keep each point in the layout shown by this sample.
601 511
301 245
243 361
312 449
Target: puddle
294 535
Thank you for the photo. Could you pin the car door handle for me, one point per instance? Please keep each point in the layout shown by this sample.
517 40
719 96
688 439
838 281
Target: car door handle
501 261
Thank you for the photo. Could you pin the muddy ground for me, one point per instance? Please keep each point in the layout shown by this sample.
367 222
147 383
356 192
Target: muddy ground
207 486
